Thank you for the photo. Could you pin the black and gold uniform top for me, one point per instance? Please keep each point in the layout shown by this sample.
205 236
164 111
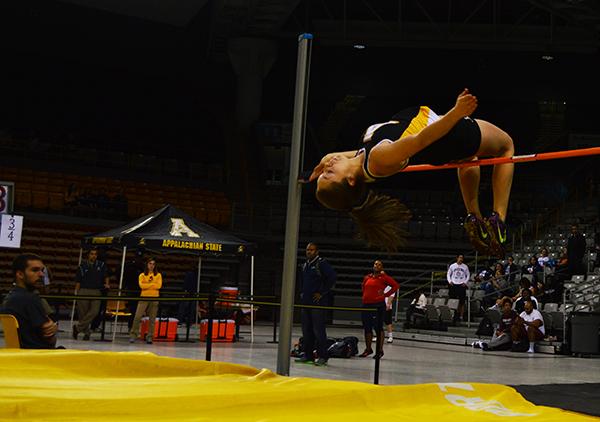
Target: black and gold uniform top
461 142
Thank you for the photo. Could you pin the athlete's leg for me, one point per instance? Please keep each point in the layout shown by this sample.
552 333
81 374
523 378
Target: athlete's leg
468 178
497 143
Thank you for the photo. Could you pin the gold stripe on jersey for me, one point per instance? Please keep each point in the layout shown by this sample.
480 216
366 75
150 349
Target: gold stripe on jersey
424 118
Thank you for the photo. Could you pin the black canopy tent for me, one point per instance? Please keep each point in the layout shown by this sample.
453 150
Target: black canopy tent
170 230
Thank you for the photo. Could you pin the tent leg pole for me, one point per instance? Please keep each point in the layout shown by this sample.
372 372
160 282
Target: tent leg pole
120 287
198 292
75 300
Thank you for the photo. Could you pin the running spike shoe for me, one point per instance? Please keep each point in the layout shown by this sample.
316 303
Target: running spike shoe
498 234
478 234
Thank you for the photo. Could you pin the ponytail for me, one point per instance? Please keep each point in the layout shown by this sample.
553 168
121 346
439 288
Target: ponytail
378 220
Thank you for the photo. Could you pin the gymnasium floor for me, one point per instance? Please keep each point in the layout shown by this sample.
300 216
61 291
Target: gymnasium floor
559 381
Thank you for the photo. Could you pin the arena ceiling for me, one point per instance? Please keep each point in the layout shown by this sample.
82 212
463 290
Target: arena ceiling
520 25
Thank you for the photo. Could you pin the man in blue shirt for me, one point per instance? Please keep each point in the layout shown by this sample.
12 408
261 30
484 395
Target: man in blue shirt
318 278
91 277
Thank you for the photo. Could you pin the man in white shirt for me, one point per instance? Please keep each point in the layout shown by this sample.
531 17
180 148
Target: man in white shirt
529 325
458 276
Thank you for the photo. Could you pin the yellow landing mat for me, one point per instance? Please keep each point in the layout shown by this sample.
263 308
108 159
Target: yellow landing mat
72 385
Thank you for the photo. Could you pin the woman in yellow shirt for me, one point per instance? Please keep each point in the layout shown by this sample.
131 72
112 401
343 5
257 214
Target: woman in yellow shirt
150 282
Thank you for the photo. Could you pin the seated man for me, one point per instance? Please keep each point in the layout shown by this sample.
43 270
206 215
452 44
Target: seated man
484 281
416 307
520 302
36 329
529 325
501 339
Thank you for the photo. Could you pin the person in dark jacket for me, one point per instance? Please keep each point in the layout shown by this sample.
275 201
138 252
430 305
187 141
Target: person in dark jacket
36 329
318 278
575 251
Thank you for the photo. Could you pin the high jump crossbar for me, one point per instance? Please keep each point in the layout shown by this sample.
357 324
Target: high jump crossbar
556 155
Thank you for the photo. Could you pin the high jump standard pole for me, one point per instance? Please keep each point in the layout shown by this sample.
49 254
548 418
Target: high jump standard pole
288 281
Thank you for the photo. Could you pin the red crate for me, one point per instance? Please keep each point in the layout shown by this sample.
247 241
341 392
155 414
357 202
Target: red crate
223 330
167 327
227 293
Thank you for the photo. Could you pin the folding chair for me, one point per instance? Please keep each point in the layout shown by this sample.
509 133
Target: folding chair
10 325
439 301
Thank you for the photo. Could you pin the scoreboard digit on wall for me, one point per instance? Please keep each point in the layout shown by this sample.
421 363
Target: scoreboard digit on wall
7 195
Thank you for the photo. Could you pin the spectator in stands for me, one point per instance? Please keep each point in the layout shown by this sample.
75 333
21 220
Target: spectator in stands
532 268
511 270
374 294
502 337
72 196
596 248
484 281
499 281
185 313
544 260
91 278
458 275
131 282
529 325
563 260
36 329
150 282
419 135
524 297
576 246
318 278
553 286
498 304
417 306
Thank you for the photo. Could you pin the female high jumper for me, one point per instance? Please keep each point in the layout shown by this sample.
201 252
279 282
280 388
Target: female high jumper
419 136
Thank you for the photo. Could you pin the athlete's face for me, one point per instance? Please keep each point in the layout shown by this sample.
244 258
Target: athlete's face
335 170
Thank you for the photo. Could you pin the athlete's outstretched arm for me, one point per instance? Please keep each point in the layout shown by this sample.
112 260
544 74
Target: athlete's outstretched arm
388 158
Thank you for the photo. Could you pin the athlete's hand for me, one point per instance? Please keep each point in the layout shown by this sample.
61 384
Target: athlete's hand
466 103
318 170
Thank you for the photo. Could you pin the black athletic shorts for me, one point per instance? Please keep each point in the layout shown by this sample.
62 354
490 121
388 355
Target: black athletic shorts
461 142
387 317
373 320
458 291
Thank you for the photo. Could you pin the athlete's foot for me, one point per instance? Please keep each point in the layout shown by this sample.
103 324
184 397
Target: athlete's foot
497 232
478 234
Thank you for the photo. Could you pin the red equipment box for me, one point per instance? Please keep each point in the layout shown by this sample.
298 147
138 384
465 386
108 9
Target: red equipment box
165 329
223 330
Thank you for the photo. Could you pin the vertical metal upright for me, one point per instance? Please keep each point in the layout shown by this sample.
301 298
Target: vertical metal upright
293 206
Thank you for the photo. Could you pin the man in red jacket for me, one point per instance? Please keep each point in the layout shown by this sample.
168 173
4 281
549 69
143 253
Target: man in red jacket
373 296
